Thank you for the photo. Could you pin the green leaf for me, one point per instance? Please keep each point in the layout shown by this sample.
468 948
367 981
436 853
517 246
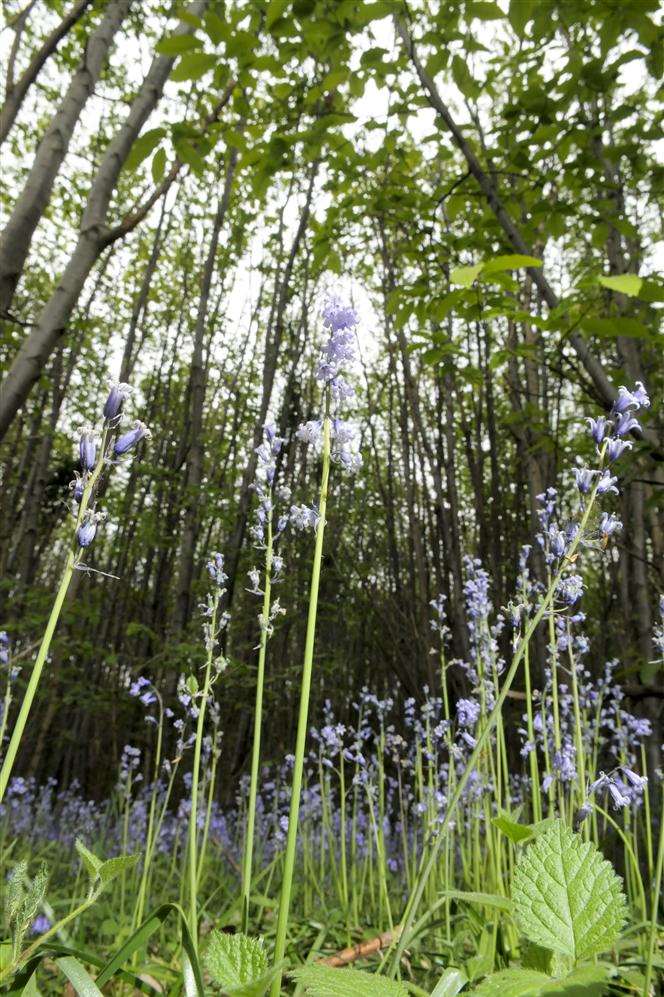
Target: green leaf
566 896
514 831
238 964
193 65
215 27
139 938
626 283
158 166
142 147
465 276
91 862
112 868
485 10
177 44
275 10
611 328
79 977
484 899
589 981
323 981
514 261
450 983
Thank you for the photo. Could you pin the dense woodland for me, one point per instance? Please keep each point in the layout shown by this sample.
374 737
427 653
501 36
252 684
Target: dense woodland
181 186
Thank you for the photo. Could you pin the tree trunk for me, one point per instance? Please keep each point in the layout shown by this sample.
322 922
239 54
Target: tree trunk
93 239
15 91
17 235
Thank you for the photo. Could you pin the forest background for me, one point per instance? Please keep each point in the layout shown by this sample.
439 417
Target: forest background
179 191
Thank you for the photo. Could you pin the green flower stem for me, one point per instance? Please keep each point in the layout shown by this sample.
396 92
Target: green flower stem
45 646
483 737
298 766
208 812
247 861
195 775
150 834
654 905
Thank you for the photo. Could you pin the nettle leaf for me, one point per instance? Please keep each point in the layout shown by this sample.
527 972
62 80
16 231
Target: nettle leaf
112 868
626 283
566 896
589 981
238 964
324 981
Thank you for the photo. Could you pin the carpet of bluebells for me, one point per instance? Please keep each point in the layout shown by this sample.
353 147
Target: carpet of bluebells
392 816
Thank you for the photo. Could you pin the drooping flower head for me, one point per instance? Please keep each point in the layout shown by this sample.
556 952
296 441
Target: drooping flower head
116 397
130 439
87 448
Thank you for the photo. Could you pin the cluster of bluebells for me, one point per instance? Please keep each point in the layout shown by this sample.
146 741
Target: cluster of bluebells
266 519
338 358
94 449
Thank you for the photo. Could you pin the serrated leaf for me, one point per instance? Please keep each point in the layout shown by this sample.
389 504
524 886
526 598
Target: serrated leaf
238 964
589 981
566 896
464 276
324 981
112 868
626 283
91 862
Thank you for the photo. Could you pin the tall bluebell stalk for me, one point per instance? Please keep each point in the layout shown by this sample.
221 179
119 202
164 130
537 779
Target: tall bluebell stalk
340 350
264 535
96 451
214 664
564 589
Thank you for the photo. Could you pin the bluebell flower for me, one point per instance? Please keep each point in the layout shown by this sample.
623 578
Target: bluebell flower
631 399
129 440
4 647
625 423
606 483
87 531
468 712
609 524
557 541
215 567
615 448
584 479
40 925
116 397
598 428
311 432
570 589
87 448
304 517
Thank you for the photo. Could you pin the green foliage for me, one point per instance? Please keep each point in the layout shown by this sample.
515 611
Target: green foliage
102 872
566 896
22 904
587 982
78 976
451 982
627 283
238 964
324 981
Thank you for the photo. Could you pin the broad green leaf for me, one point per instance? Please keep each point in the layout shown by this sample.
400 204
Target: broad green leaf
465 276
193 65
142 147
589 981
238 964
79 977
215 27
611 328
626 283
485 10
450 983
177 44
514 261
275 10
324 981
114 867
566 896
91 862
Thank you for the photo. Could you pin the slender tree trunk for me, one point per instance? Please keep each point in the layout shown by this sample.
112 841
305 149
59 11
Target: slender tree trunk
93 239
15 91
17 235
197 378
